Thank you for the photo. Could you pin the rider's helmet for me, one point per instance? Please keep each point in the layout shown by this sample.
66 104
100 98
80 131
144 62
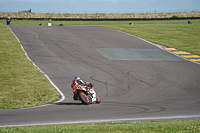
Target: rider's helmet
78 78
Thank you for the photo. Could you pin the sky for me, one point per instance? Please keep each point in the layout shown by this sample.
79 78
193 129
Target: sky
99 6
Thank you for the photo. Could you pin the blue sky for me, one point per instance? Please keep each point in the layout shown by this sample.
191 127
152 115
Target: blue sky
99 6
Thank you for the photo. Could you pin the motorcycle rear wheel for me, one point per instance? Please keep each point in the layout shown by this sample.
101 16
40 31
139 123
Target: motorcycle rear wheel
84 98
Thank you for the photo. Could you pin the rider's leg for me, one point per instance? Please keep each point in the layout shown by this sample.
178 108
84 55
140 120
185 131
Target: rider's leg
75 97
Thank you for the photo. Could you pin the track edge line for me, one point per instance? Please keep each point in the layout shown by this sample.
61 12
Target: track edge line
57 89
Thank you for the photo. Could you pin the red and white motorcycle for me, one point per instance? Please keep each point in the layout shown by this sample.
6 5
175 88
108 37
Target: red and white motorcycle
86 93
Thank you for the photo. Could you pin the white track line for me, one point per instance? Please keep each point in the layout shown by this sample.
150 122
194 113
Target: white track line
61 94
111 120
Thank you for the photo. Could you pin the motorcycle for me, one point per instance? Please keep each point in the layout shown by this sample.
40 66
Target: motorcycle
86 94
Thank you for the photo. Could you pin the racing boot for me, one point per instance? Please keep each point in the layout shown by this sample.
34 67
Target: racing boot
75 97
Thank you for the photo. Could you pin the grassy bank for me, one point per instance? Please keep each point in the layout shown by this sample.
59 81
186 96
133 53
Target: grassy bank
96 23
56 23
119 127
177 34
21 83
100 15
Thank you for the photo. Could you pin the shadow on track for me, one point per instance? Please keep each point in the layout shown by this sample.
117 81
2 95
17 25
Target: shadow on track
62 103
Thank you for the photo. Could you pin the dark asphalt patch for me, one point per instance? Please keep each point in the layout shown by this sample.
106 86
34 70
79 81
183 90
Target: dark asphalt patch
137 54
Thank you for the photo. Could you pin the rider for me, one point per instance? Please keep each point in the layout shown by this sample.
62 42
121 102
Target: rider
78 81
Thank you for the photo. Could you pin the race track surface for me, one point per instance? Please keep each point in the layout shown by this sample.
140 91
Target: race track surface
134 79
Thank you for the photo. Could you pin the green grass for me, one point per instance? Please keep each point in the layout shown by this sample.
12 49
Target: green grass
56 23
112 127
21 83
178 35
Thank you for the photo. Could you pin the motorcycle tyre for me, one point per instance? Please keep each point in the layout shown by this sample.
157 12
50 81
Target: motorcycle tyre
98 101
81 94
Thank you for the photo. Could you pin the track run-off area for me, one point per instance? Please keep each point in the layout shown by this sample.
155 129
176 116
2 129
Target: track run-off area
135 79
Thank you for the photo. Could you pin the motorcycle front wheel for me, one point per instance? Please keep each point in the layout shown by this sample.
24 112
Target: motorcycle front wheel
84 98
98 100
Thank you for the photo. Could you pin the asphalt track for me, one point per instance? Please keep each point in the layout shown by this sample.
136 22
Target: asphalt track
135 80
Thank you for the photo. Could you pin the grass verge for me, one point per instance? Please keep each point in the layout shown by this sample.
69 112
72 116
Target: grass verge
113 127
56 23
179 35
21 83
